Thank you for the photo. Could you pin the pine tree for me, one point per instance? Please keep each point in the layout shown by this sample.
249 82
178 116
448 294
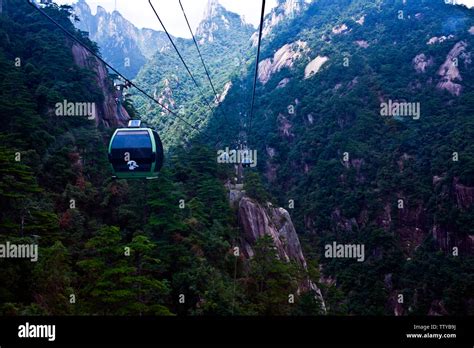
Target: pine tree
271 280
120 277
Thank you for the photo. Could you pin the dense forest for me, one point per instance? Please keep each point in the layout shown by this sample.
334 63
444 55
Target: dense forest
397 185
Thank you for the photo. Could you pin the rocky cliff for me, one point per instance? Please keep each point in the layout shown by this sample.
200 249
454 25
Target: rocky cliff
109 114
257 221
285 9
218 23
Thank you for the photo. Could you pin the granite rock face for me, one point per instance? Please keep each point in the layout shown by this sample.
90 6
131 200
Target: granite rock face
109 113
257 221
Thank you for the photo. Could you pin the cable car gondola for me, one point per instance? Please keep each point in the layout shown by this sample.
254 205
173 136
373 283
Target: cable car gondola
135 152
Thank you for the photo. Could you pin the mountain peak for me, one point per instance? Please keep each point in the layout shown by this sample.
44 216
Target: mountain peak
101 10
82 5
285 9
124 42
212 9
219 22
290 7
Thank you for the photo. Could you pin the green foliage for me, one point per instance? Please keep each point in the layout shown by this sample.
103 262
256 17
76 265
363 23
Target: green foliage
254 188
52 281
338 110
225 51
271 280
118 283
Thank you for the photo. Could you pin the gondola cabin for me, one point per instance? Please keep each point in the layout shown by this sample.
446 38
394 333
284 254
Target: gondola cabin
135 152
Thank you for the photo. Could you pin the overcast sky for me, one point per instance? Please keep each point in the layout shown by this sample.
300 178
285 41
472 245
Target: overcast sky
140 13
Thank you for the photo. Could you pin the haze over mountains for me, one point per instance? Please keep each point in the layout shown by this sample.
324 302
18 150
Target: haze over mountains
127 46
123 45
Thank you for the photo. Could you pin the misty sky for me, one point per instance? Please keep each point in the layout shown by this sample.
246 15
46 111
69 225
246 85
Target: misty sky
140 13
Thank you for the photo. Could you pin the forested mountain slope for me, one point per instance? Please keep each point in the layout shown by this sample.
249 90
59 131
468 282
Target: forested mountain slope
402 185
224 41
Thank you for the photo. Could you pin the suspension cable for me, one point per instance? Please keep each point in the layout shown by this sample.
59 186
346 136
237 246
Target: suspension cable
202 59
199 51
114 70
256 65
180 56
